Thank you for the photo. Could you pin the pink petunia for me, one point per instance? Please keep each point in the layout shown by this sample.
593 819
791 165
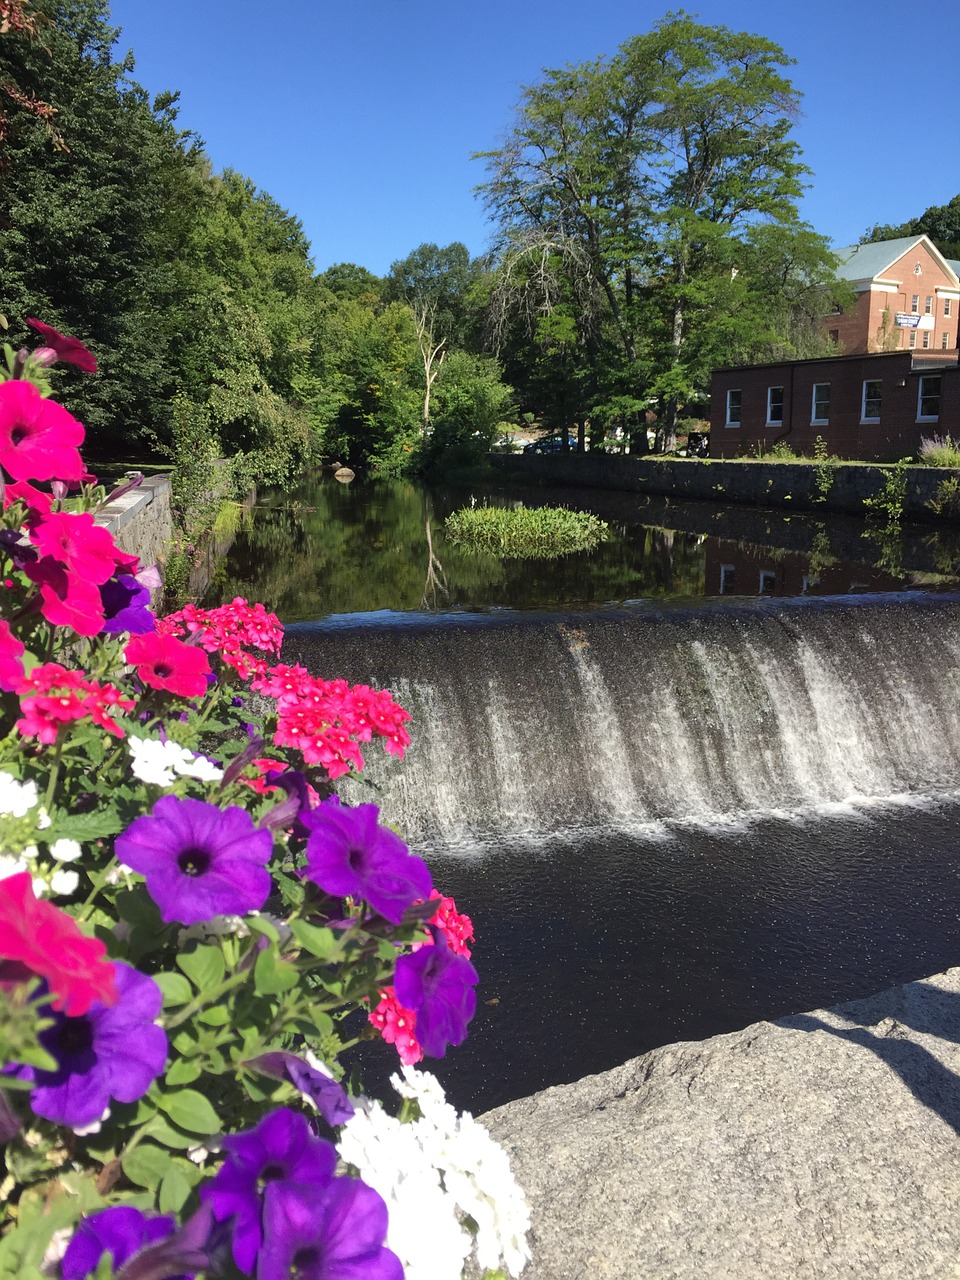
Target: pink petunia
67 600
39 440
164 662
69 350
11 668
78 543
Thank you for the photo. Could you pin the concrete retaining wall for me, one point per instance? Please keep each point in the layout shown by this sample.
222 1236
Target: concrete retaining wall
756 484
141 520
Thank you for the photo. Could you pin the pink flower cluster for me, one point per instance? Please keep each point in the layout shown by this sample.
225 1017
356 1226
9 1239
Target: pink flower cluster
230 631
76 556
327 719
398 1025
52 696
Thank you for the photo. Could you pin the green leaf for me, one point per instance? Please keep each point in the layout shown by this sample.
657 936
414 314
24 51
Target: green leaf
271 976
174 1191
176 989
319 942
260 924
204 966
191 1110
183 1071
84 827
218 1016
146 1165
161 1129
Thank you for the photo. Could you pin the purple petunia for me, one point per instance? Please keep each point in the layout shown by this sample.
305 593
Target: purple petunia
121 1231
351 856
126 606
280 1153
199 861
326 1234
111 1051
439 987
321 1089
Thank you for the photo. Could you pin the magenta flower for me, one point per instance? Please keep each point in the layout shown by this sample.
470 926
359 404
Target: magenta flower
121 1231
38 439
11 668
351 856
164 662
66 600
69 350
199 861
439 987
77 542
113 1051
332 1233
279 1154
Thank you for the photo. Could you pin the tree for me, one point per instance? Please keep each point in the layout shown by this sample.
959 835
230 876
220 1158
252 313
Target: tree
642 179
941 222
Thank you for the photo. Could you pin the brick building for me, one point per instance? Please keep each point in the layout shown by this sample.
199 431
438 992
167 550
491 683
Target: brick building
907 298
873 407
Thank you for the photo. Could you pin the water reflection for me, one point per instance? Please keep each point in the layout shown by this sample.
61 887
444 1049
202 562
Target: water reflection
325 548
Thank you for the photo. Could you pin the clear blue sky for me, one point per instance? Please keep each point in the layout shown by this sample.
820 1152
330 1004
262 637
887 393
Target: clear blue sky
359 116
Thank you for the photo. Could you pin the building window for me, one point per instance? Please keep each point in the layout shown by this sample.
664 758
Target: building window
728 573
774 405
928 306
928 399
768 582
947 306
820 409
915 304
870 407
912 341
944 339
926 338
733 408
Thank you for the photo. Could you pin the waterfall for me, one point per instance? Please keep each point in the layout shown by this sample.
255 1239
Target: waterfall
541 725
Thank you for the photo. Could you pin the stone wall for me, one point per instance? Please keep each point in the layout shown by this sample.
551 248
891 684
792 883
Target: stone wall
141 520
757 484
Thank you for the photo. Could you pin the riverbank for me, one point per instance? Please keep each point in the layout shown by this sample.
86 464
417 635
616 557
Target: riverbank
843 487
821 1145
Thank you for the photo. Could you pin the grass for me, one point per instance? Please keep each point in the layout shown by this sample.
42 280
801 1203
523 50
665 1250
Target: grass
939 451
525 533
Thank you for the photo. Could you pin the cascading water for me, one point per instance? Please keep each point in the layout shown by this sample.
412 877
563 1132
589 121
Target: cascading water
547 725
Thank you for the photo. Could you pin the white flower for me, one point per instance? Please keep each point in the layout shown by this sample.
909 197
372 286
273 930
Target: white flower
94 1127
215 927
64 882
432 1172
11 866
16 798
159 763
65 850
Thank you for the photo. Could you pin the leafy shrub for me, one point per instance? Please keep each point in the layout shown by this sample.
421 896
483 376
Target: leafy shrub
525 533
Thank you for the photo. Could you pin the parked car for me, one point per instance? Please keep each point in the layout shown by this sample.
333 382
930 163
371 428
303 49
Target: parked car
554 444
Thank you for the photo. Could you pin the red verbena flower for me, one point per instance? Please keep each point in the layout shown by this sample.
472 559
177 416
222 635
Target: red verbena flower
38 439
164 662
49 943
457 928
397 1026
52 696
69 350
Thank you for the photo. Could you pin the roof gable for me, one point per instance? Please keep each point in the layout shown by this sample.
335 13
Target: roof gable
868 261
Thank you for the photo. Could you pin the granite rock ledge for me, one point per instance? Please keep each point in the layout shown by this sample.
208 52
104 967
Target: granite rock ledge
820 1145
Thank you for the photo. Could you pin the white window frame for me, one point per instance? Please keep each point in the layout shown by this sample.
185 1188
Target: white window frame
775 422
912 341
928 306
928 417
944 340
926 340
814 420
947 306
915 304
870 382
735 422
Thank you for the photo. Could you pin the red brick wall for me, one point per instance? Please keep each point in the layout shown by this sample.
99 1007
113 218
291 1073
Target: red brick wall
896 435
861 328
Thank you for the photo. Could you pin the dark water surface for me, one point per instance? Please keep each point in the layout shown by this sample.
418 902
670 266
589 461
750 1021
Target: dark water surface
325 548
